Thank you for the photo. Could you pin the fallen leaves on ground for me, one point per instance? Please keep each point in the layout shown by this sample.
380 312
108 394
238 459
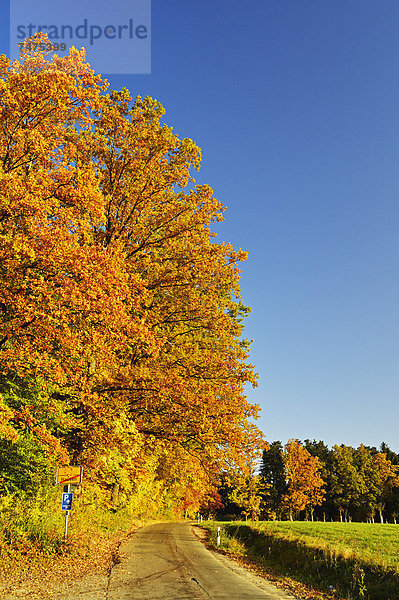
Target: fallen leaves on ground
40 577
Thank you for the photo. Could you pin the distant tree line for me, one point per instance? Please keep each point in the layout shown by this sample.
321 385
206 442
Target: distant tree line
311 481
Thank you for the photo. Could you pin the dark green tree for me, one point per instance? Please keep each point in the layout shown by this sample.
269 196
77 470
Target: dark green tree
30 447
390 454
320 450
272 473
392 499
346 482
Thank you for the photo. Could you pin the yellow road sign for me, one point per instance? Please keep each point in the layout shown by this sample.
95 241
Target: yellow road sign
69 475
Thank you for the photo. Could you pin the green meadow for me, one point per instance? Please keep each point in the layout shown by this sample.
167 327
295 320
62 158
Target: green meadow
377 544
348 560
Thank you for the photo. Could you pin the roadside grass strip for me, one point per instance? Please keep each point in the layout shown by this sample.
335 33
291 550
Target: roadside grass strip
352 561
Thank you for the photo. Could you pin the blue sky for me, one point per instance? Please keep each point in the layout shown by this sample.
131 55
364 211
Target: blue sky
295 106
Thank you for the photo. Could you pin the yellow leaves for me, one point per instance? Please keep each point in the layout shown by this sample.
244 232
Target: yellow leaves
111 284
52 445
7 431
4 64
303 476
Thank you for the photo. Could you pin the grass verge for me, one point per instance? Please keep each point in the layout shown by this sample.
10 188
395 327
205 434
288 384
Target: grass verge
317 560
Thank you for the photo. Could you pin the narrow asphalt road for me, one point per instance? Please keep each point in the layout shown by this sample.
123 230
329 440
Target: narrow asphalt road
166 561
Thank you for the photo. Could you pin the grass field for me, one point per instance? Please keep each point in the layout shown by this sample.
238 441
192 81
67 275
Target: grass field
375 543
348 560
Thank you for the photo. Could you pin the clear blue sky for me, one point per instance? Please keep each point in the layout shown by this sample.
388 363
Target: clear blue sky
295 106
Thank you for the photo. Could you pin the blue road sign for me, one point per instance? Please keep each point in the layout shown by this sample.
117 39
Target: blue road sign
67 501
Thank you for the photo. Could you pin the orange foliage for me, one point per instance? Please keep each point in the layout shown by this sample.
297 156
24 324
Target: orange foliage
112 287
305 485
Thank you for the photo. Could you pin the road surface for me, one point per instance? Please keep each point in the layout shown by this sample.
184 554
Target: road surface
166 561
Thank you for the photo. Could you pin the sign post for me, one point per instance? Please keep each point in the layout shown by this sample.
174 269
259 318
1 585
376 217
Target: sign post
67 505
68 476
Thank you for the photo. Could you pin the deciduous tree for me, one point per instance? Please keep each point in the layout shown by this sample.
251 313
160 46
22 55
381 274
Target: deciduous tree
305 485
113 290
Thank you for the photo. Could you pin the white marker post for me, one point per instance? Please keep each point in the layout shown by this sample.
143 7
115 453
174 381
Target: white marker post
66 525
218 537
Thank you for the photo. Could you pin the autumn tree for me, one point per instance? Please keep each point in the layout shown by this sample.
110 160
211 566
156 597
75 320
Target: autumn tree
188 282
305 485
387 479
114 294
246 494
63 298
